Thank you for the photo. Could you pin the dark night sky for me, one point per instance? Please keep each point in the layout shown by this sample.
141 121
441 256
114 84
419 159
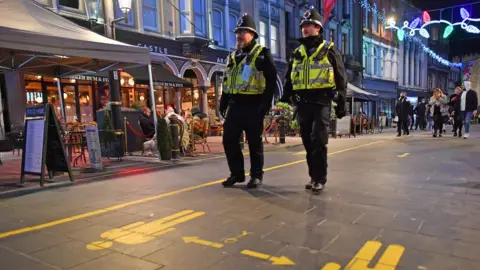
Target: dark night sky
432 4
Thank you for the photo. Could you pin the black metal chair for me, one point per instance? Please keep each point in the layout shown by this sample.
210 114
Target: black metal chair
5 146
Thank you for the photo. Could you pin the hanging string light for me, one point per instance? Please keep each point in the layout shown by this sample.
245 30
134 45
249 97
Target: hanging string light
401 33
413 28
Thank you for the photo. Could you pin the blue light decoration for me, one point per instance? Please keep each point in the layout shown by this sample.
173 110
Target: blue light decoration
412 27
423 32
435 56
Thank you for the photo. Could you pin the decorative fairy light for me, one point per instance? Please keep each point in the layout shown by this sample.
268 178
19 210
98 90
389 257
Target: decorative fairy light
390 24
435 56
412 28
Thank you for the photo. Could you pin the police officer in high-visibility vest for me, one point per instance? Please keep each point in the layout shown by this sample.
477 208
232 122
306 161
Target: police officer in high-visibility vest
315 77
248 88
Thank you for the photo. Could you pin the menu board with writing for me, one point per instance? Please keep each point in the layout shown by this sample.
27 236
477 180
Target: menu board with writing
34 146
42 140
93 145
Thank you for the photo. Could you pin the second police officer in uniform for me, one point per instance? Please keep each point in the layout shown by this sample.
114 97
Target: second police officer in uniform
248 88
316 76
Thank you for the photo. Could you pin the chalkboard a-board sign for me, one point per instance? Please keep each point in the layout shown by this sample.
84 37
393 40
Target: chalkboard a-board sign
42 139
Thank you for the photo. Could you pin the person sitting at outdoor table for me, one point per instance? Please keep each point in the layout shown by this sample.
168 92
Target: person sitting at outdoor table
147 123
201 121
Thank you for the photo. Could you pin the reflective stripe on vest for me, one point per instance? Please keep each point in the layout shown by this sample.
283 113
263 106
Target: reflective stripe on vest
234 83
314 72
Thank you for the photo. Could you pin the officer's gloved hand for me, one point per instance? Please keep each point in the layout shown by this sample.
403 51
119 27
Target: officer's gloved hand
340 111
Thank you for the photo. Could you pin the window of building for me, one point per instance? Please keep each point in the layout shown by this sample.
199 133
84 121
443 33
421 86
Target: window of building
263 33
382 62
70 3
376 68
274 46
199 16
365 58
150 21
185 25
218 27
344 44
365 20
345 7
119 14
233 24
332 35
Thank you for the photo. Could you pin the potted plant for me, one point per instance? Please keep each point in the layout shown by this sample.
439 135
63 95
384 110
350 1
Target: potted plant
164 140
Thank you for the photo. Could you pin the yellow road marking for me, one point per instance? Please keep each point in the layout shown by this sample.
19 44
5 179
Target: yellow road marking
344 150
403 155
388 261
234 239
148 199
275 260
332 266
197 240
143 232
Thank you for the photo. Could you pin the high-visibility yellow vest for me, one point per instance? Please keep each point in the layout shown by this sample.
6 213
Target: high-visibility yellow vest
234 82
313 72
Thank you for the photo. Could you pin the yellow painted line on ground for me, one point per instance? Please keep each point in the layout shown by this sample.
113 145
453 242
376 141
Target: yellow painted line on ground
403 155
142 232
275 260
388 261
341 151
332 266
199 241
156 197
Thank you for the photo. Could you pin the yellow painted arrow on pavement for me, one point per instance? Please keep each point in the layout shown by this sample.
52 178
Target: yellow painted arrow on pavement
197 240
403 155
275 260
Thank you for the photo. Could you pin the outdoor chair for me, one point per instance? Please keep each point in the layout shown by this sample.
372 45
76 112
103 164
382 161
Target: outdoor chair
5 146
199 128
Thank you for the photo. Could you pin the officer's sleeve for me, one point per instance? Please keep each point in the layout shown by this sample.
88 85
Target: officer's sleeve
288 87
270 74
224 100
341 80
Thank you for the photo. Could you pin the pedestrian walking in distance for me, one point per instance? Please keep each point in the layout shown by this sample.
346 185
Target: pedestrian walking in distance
439 111
249 85
316 76
403 109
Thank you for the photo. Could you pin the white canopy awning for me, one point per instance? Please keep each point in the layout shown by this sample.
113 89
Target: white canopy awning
35 39
355 92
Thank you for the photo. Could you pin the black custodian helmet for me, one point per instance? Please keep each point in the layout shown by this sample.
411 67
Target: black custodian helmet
311 16
246 23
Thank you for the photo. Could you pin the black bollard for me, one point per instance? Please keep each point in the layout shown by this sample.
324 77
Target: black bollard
281 129
175 140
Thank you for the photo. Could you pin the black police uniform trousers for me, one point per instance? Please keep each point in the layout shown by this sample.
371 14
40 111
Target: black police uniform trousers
241 118
314 121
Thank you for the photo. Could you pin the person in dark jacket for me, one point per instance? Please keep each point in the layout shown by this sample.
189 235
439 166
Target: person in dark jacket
420 112
403 109
456 113
147 123
249 84
315 77
468 106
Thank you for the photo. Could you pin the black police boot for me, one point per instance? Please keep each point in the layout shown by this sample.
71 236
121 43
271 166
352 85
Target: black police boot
317 187
310 184
232 180
254 182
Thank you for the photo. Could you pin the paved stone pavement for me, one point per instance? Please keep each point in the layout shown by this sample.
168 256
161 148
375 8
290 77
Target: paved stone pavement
407 203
